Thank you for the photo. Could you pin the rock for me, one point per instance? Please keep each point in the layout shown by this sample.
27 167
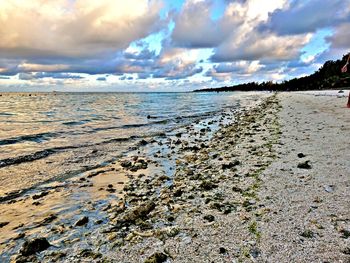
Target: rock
88 253
301 155
209 218
304 165
237 189
346 251
2 224
230 164
82 221
157 257
178 193
125 164
19 236
47 220
143 142
140 211
345 233
222 250
37 196
329 188
207 185
34 246
307 234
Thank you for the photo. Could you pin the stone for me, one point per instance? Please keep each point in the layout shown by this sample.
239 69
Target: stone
301 155
307 234
34 246
157 257
345 233
2 224
304 165
37 196
82 221
140 211
125 164
222 250
209 218
230 164
207 185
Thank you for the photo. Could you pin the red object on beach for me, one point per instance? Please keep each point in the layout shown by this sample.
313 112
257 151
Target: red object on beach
348 105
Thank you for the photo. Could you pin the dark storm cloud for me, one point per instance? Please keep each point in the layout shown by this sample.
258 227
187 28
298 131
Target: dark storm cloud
308 16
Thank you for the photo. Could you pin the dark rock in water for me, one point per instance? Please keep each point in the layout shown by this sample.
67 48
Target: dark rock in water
301 155
304 165
140 211
37 196
125 164
2 224
178 134
48 220
157 257
82 221
209 218
307 234
230 164
222 250
143 142
207 185
19 236
34 246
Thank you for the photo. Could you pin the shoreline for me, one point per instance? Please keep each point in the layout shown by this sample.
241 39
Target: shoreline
220 204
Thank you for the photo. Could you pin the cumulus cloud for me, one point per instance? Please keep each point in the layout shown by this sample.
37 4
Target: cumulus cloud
80 36
246 42
73 28
194 27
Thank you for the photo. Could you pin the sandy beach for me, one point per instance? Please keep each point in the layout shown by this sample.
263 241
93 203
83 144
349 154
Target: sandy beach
272 186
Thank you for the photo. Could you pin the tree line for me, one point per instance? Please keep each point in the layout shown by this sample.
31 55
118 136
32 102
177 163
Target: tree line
329 76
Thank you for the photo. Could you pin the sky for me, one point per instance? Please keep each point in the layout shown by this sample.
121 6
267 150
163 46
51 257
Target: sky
165 45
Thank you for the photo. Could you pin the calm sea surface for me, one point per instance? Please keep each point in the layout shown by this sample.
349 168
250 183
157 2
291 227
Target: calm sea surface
49 135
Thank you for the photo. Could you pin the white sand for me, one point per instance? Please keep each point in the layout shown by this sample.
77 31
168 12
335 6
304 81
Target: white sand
317 199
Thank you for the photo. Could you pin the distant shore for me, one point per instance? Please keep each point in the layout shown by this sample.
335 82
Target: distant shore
272 186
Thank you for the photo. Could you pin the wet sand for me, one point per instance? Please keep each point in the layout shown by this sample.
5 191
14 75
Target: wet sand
235 196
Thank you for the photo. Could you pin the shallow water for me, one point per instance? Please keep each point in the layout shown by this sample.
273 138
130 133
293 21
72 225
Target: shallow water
42 132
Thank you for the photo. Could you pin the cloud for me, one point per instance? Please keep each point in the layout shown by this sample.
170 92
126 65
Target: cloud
80 36
341 38
308 16
194 27
256 46
81 28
